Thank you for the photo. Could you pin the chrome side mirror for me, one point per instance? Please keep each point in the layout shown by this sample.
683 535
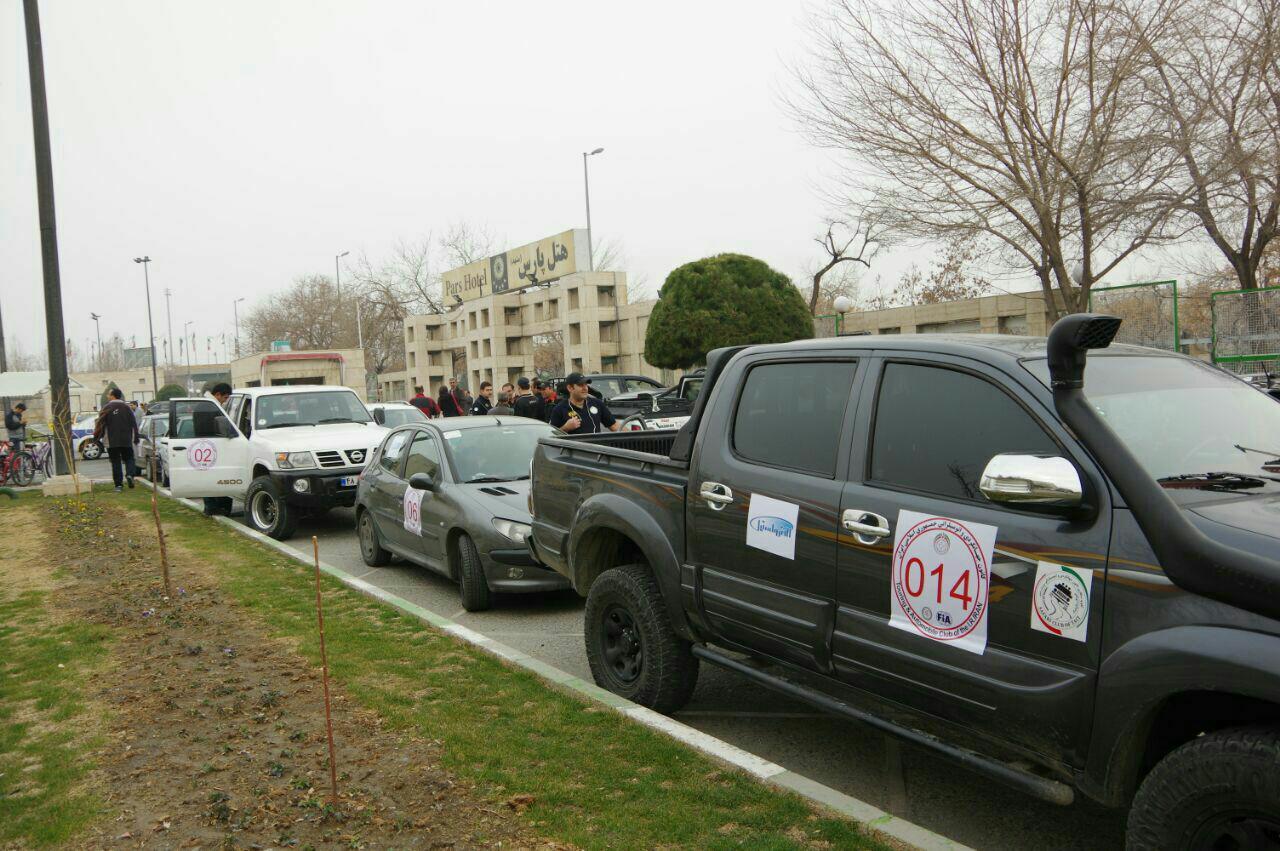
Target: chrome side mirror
1049 481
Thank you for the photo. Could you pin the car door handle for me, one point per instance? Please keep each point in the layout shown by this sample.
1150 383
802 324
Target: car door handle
716 495
177 447
867 526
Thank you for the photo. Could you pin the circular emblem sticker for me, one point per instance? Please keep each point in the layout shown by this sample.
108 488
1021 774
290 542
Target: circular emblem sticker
202 454
940 580
1061 601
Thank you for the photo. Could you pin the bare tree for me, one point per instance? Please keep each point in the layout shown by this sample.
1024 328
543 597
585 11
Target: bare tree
610 255
948 279
1217 101
1017 120
466 242
860 246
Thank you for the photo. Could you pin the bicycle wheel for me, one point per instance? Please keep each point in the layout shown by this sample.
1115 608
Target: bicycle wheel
24 469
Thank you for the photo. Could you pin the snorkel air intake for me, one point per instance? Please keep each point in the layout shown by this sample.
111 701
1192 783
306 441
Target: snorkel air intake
1191 559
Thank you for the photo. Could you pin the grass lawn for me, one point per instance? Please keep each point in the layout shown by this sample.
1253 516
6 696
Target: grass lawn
587 775
45 666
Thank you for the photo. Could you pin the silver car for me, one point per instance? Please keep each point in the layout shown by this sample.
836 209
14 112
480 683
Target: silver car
452 495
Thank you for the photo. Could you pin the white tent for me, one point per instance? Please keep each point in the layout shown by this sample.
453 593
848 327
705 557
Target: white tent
28 385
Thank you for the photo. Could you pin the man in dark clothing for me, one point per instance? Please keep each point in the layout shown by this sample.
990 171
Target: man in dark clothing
450 401
547 394
528 401
484 401
424 403
581 413
117 423
16 424
219 504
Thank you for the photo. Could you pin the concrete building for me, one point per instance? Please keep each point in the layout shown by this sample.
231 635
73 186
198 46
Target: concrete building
339 367
1023 313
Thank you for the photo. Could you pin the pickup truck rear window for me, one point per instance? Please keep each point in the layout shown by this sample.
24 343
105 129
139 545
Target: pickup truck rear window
791 414
937 428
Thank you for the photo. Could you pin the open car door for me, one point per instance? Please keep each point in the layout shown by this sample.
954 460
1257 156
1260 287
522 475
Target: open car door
207 454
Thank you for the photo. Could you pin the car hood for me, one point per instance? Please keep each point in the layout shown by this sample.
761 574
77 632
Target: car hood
1248 522
341 436
509 500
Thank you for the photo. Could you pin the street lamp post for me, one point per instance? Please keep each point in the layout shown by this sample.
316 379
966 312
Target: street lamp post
586 187
98 329
186 344
146 277
843 304
235 310
337 286
168 312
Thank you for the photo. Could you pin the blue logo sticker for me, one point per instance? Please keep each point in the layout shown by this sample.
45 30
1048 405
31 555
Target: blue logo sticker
775 526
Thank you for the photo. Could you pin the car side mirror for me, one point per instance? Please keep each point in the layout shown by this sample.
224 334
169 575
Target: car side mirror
1034 481
422 482
380 416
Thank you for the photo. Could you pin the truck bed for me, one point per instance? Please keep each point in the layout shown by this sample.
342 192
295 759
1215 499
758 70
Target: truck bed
656 442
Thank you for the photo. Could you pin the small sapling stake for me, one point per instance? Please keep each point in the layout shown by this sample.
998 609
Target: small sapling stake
324 676
164 554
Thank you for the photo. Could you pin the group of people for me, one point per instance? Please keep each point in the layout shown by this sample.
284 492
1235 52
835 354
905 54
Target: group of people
575 412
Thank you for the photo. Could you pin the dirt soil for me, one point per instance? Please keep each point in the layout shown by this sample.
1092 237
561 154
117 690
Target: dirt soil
217 731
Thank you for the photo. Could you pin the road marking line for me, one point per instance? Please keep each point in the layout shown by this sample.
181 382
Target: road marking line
873 818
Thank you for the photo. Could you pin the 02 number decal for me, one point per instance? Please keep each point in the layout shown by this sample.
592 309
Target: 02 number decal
202 455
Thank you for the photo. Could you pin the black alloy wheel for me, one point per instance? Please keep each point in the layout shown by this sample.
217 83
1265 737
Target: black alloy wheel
623 650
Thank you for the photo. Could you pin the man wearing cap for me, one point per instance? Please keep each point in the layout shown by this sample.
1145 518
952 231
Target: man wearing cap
581 413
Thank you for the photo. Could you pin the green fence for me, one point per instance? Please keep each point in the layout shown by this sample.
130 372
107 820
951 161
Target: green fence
1246 329
1149 311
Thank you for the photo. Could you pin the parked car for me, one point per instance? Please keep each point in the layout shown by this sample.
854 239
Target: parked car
150 430
607 385
285 451
394 414
1069 585
452 496
668 408
82 439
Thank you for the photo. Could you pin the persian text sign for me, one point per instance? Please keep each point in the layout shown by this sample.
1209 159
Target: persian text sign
536 263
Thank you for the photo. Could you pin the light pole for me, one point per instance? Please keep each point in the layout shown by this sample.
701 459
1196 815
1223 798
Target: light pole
186 344
843 304
337 286
586 187
146 276
98 330
168 312
235 310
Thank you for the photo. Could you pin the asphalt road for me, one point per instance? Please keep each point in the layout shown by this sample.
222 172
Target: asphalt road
966 807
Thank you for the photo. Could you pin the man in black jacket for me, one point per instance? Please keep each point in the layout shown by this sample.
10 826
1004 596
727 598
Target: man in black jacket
120 428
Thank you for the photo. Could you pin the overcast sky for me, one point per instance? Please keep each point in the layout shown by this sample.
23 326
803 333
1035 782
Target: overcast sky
241 144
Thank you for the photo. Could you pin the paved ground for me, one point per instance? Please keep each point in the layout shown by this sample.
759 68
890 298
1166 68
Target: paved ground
939 796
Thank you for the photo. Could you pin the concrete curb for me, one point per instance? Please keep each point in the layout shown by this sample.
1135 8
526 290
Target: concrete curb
872 817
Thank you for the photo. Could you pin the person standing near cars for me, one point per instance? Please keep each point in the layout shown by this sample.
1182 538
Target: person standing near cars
118 425
526 399
449 397
221 392
503 408
581 413
424 403
484 401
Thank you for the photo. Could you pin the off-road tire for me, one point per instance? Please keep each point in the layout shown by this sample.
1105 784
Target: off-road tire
1224 785
474 588
279 524
667 670
371 549
90 446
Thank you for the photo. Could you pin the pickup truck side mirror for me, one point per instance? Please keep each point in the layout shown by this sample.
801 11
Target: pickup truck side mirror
1046 481
380 416
422 482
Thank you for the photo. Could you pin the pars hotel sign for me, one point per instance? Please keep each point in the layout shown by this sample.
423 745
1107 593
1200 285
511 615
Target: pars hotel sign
536 263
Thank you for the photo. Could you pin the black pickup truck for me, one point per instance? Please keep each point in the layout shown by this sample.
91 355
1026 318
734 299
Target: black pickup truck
1070 586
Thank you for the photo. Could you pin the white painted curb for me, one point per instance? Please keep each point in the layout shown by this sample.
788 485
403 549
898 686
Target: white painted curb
872 817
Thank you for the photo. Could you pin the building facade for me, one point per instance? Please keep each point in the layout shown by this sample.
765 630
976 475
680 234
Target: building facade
336 367
495 337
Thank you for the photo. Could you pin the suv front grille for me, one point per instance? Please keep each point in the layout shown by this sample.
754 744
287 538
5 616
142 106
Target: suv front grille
330 458
357 456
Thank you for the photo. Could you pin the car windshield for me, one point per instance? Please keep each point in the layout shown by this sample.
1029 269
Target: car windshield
498 454
400 416
316 408
1181 417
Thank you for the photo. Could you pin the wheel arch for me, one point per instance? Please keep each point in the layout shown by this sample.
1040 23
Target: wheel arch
1164 689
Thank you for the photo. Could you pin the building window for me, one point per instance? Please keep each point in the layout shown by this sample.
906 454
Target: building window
575 334
604 297
408 334
413 358
488 348
511 315
609 364
573 298
608 332
577 364
484 318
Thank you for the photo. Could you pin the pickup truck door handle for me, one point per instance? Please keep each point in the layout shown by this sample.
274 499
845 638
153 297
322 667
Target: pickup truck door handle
717 496
867 526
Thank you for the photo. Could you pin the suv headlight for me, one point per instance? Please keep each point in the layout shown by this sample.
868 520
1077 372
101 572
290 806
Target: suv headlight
294 460
511 529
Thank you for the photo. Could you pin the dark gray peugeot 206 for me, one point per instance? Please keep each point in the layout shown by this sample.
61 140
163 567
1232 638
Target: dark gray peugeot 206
452 495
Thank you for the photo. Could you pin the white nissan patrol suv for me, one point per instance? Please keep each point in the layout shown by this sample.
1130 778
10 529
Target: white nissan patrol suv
285 451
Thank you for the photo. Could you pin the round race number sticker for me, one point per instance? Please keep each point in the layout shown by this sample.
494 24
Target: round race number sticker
940 579
202 454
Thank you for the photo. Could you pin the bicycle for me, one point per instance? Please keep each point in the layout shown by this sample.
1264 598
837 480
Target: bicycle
18 467
42 458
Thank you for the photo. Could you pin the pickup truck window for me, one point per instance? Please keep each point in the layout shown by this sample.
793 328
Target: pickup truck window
936 429
790 414
393 451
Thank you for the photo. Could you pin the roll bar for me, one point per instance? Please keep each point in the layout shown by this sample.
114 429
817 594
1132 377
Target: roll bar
1190 558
